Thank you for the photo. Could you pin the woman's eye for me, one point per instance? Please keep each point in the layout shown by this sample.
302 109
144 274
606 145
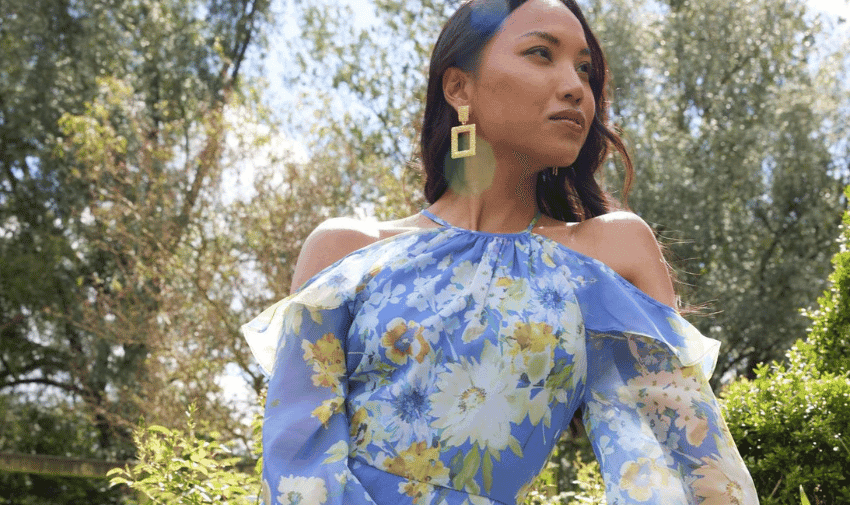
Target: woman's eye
585 68
542 51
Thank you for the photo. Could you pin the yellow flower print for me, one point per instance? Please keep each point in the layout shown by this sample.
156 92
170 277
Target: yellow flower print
403 340
421 464
640 477
359 431
535 344
327 359
532 338
328 408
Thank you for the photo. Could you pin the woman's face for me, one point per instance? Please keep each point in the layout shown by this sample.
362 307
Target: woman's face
531 96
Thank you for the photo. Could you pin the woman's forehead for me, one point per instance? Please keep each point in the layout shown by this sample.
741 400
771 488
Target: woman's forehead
541 15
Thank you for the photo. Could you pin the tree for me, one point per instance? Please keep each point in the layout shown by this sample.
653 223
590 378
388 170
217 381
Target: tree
732 132
804 401
111 134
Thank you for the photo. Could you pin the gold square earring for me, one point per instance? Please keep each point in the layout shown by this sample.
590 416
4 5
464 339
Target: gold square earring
463 117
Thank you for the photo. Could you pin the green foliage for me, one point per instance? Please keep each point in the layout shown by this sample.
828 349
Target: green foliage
722 106
828 343
27 429
791 420
111 145
585 484
187 467
790 424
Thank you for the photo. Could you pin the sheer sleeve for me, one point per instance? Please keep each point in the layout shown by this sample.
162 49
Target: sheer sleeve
306 431
654 422
657 429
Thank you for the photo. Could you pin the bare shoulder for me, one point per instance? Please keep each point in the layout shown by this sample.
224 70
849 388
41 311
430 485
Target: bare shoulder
331 241
626 243
623 234
336 238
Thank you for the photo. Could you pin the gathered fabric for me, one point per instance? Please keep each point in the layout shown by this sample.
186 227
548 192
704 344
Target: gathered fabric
441 365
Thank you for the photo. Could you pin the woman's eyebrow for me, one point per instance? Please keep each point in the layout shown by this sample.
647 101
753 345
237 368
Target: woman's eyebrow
555 41
548 37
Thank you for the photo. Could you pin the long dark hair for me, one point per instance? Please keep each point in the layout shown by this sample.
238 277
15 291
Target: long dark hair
572 195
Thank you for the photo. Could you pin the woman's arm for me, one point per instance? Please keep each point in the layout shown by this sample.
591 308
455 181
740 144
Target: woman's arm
306 429
655 424
657 428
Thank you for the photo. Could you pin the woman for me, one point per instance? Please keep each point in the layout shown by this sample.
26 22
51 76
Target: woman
437 358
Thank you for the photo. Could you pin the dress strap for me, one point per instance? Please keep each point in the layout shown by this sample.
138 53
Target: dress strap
533 222
432 217
443 222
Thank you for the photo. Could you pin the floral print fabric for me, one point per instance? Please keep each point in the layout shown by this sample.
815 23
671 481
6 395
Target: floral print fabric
440 366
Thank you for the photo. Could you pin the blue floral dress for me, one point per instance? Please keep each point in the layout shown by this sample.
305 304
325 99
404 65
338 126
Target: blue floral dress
440 366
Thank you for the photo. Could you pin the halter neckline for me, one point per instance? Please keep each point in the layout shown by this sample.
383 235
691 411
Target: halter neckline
446 224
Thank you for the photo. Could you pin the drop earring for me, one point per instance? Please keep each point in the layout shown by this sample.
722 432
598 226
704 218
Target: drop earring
555 171
463 117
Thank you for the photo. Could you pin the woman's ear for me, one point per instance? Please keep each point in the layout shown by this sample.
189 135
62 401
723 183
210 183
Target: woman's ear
457 86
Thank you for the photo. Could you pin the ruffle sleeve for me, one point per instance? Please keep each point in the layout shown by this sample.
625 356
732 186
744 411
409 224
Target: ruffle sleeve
301 342
610 304
654 422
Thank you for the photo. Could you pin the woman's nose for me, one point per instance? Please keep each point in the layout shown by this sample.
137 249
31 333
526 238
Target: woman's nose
571 86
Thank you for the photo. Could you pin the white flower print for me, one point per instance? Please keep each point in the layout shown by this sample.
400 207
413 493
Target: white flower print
720 483
477 401
404 409
372 309
553 302
467 287
422 293
301 491
644 477
266 493
620 421
463 274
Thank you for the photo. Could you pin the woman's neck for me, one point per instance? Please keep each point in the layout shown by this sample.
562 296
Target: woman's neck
489 193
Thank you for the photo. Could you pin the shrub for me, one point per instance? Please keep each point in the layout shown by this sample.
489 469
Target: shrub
828 344
791 426
791 422
178 467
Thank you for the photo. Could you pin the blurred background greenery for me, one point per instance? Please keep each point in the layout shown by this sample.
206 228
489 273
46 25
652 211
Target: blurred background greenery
161 162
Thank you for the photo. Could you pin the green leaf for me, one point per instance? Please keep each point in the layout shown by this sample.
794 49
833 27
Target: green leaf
513 443
155 428
495 453
487 471
804 500
470 467
456 462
